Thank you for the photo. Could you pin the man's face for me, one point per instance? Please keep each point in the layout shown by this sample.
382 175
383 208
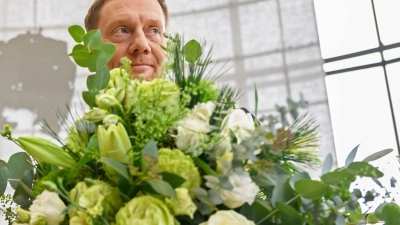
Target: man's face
136 28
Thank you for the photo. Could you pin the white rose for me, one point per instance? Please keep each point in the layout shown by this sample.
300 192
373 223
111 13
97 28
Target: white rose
49 206
227 217
193 129
244 190
239 122
202 111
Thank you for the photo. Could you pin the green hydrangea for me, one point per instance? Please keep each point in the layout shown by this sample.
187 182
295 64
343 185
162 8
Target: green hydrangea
144 210
175 161
98 198
156 107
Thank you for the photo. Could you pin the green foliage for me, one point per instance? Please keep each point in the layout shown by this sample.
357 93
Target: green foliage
94 55
160 187
8 208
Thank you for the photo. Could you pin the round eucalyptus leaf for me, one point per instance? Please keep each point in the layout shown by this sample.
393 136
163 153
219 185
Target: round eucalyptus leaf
311 189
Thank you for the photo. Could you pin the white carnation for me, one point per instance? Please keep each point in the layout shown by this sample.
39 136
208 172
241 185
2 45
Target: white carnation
239 122
49 206
227 217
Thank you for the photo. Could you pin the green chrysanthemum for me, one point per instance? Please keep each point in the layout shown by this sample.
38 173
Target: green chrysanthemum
144 210
175 161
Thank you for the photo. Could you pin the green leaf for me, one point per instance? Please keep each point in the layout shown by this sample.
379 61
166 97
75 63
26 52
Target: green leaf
257 211
161 187
377 155
120 168
340 220
92 38
192 51
3 179
214 197
225 183
97 59
364 169
173 179
311 189
288 214
282 192
18 164
99 80
108 49
351 156
90 97
327 165
23 194
77 33
93 144
298 176
343 178
388 212
150 150
80 54
256 100
372 219
3 164
86 127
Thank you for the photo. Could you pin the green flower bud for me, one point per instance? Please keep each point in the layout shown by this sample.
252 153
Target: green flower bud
46 151
95 115
7 130
144 210
23 215
119 94
110 119
106 101
114 143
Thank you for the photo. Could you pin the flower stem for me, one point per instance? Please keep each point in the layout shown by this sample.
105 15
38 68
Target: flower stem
275 211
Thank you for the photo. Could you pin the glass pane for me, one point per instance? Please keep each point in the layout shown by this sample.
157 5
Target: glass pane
360 112
393 71
345 26
387 12
391 54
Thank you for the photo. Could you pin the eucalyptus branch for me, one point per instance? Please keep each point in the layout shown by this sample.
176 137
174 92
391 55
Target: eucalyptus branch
275 211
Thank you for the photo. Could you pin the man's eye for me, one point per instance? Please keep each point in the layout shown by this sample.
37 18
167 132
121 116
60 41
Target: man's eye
122 30
155 31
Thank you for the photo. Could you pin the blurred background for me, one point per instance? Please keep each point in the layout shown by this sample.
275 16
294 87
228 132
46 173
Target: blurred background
342 55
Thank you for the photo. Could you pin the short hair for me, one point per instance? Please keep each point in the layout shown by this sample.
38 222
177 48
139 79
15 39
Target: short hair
93 16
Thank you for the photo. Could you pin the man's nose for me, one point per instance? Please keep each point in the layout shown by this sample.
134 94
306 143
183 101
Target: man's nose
139 43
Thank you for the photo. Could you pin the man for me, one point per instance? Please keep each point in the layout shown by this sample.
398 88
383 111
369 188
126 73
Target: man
136 28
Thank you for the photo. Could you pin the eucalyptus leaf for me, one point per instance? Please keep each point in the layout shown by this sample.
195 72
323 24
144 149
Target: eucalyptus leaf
23 194
86 127
377 155
174 180
108 49
342 178
77 33
388 212
257 211
311 189
364 169
327 165
3 179
340 220
192 51
298 176
93 144
150 150
17 165
225 183
90 97
161 187
92 38
288 214
200 193
97 59
282 192
351 156
120 168
80 54
214 197
3 164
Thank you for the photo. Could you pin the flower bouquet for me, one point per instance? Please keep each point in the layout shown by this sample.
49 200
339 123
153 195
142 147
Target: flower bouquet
175 150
